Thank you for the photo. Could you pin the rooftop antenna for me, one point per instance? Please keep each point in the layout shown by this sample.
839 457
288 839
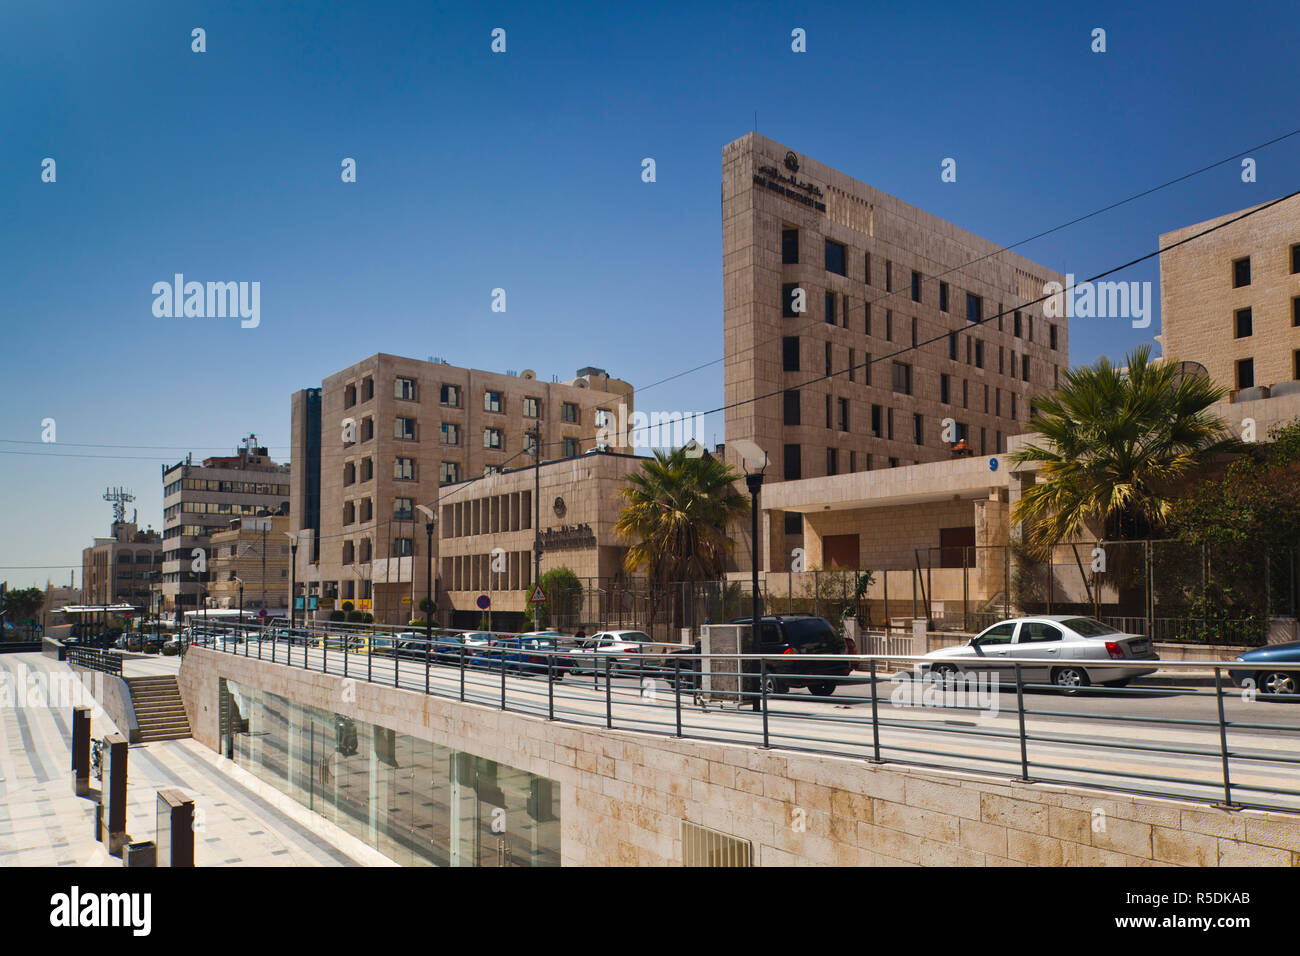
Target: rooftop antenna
118 497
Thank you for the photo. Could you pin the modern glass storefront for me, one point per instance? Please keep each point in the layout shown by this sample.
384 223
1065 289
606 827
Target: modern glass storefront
417 803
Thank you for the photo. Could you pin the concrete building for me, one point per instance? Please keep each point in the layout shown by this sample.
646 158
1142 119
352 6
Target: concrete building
255 551
1230 300
120 568
822 275
390 433
199 501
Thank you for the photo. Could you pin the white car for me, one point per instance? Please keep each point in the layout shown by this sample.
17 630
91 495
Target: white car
620 646
1053 648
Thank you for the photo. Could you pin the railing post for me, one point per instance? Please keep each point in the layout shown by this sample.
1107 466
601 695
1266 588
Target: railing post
287 637
259 647
427 651
609 699
1020 707
462 668
875 716
370 658
347 652
397 661
550 685
503 677
762 690
1223 738
677 693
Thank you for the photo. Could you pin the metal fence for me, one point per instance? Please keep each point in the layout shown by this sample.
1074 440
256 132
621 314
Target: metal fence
1209 743
96 659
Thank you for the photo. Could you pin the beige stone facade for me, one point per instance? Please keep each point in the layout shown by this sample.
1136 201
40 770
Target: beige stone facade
120 568
878 276
255 551
1230 300
396 433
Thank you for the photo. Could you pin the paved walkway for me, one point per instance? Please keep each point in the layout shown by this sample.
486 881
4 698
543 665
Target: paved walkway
242 821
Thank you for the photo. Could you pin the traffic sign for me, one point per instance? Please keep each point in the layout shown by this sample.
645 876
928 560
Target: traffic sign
538 596
261 615
484 602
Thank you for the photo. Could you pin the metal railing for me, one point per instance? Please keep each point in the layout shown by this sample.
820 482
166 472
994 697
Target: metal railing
96 659
1191 748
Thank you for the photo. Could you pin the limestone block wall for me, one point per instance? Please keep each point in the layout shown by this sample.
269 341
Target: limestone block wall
624 794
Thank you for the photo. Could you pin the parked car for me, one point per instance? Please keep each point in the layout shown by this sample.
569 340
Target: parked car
171 647
793 635
1058 647
536 652
617 646
1259 668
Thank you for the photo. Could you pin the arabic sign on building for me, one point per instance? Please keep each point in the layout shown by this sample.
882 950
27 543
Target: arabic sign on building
772 178
568 536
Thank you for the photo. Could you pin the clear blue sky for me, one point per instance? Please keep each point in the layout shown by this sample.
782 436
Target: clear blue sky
522 171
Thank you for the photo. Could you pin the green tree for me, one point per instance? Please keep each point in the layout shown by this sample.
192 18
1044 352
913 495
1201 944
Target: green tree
21 605
563 591
1117 444
675 517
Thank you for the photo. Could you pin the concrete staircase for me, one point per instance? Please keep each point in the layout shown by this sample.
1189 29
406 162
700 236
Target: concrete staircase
159 710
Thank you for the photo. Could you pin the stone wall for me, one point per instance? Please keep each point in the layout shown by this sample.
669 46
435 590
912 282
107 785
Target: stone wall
624 794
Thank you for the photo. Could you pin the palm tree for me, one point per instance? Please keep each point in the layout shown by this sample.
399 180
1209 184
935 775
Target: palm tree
1117 442
676 515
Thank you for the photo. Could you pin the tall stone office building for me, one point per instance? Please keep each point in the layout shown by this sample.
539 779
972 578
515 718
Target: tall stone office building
389 433
824 274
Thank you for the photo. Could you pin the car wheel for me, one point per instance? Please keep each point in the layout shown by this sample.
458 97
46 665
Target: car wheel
1278 682
1070 679
774 686
822 688
945 673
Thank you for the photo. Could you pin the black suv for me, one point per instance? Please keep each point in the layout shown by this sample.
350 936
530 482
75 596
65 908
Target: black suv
792 635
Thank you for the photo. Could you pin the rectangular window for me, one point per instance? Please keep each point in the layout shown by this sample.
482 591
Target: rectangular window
986 399
913 331
867 272
1013 404
793 465
889 325
450 433
889 423
828 358
404 388
793 522
1295 311
402 548
997 402
792 300
449 395
569 413
902 378
866 325
979 354
952 346
844 414
1246 373
790 246
1295 359
866 369
404 469
403 509
1002 363
943 297
532 408
943 388
877 413
1051 337
492 401
448 472
791 407
349 396
1016 329
828 412
834 257
974 308
830 308
571 448
916 286
1024 368
1029 327
918 429
1242 326
492 438
530 444
790 353
404 428
852 366
1241 272
832 461
965 393
367 428
1295 258
889 276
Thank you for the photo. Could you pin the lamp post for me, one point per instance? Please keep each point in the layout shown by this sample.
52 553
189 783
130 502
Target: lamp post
240 582
431 519
754 462
293 570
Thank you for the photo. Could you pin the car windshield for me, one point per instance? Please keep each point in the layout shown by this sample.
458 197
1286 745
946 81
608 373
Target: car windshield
1089 627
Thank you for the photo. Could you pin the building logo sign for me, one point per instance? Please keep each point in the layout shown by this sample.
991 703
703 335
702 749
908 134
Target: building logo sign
769 177
568 536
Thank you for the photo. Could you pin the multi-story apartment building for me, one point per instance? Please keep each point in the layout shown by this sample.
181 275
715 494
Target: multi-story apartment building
256 552
1230 300
201 500
863 333
120 568
390 433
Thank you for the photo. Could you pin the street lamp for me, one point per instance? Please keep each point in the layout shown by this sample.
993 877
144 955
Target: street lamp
431 519
754 462
240 582
293 569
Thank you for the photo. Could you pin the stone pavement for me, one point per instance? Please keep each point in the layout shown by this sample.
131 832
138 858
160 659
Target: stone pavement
242 821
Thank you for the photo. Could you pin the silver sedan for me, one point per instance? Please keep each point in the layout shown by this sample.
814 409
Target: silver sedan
1054 648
